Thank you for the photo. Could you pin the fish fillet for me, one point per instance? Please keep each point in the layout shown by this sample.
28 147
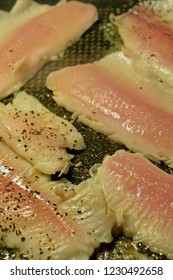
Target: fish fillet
89 209
20 14
150 36
39 184
38 135
35 226
35 223
22 6
113 108
141 196
137 73
34 41
163 8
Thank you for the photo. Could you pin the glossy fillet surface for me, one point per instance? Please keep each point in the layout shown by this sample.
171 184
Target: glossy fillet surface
149 35
134 71
141 196
38 135
34 41
107 105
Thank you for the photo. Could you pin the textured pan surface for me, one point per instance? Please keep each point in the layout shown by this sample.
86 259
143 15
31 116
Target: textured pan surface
100 40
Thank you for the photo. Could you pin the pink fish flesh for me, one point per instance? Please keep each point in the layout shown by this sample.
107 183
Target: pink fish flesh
150 36
38 135
115 109
133 70
141 196
37 226
36 40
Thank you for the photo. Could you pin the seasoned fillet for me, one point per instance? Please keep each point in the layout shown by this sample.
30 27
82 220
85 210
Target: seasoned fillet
38 228
17 169
35 223
38 135
89 209
149 33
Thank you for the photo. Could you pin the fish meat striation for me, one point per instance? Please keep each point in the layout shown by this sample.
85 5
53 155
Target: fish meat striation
37 225
136 72
150 35
141 196
104 103
36 39
38 135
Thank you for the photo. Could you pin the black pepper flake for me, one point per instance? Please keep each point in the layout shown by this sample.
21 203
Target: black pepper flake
23 131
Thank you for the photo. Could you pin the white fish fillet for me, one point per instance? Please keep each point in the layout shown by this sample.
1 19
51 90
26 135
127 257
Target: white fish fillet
22 6
163 8
34 221
38 135
89 209
31 220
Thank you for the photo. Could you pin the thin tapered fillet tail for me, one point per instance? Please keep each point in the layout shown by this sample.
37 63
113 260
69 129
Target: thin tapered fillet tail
38 135
145 32
32 221
113 108
141 196
33 42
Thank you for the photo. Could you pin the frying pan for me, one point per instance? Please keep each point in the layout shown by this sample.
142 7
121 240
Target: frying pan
100 40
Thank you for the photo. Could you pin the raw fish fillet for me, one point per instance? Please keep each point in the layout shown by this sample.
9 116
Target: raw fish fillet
137 73
149 35
34 222
38 135
34 41
31 221
141 196
113 108
21 13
